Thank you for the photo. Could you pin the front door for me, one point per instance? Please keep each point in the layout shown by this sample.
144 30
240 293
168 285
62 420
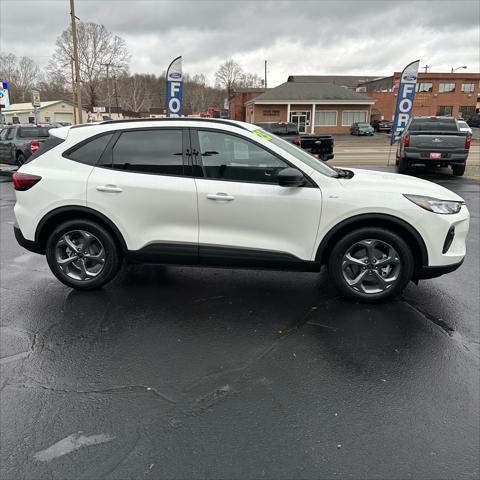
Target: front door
300 119
143 185
245 217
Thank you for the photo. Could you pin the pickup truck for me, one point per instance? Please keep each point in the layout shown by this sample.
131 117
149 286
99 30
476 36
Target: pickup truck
433 141
318 145
18 142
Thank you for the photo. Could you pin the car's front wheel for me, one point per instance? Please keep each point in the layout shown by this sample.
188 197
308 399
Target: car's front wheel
83 254
371 264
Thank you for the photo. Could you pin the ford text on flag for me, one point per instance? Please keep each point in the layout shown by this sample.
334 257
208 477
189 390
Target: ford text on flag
405 96
174 88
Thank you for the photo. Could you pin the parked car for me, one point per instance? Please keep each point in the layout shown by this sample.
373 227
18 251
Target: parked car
18 142
224 193
474 121
433 141
318 145
464 127
361 128
382 125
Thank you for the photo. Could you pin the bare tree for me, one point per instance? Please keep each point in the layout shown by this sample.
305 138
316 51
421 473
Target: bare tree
28 77
97 47
228 75
250 80
134 93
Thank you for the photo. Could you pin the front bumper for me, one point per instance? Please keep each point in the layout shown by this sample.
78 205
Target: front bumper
23 242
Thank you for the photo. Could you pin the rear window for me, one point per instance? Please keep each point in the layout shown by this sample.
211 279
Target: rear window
33 132
281 128
89 152
45 147
433 125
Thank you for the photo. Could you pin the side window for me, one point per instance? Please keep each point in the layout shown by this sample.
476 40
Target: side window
90 152
150 151
3 134
10 134
227 157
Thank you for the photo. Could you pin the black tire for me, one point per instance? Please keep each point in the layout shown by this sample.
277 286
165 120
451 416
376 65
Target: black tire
20 159
405 263
458 170
402 166
112 256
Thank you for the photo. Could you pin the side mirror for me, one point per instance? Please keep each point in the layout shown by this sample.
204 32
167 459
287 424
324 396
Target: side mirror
290 177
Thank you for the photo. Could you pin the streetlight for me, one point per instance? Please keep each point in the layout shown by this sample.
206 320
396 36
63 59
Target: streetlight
458 68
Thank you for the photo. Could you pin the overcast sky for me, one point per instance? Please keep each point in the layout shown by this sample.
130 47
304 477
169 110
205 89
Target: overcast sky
296 37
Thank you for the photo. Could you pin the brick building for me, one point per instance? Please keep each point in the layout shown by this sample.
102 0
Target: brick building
452 94
236 104
316 107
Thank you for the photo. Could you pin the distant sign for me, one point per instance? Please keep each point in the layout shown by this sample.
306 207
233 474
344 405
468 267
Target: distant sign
174 88
99 109
36 98
4 97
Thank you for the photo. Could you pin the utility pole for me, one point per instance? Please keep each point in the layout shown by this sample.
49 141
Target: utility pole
74 96
108 65
426 67
115 92
265 80
75 60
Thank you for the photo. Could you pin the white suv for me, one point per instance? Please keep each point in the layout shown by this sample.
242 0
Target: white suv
223 193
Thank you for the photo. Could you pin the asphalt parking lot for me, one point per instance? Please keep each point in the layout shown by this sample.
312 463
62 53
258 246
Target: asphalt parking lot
173 372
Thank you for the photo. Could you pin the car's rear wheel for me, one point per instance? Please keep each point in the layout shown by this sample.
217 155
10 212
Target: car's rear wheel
371 264
402 166
83 254
458 170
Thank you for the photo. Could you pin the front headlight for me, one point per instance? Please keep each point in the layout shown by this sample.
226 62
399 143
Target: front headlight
435 205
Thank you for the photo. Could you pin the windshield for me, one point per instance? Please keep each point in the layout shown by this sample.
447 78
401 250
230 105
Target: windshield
300 154
363 124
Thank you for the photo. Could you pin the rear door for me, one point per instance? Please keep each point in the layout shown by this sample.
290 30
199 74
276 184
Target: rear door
143 184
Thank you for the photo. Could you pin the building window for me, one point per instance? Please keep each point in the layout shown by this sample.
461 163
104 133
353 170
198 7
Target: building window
350 117
47 119
444 111
271 113
325 118
424 87
468 87
466 111
446 87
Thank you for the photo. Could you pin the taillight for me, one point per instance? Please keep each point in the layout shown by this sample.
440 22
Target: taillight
468 141
298 140
406 140
24 181
34 146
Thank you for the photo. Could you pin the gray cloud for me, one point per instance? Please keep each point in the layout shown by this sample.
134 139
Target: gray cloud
297 37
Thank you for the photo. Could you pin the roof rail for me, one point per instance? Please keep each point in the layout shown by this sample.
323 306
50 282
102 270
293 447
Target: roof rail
169 119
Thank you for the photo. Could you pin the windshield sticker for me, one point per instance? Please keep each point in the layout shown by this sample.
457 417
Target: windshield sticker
263 135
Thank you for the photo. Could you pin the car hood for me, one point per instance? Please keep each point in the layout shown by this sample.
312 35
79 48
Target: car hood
392 182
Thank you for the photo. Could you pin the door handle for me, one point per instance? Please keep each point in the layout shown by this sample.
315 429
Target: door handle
220 196
109 189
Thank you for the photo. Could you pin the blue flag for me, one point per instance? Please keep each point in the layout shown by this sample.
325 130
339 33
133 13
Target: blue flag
405 96
174 88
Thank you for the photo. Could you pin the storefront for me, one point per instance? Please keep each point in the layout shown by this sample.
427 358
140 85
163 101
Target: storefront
314 107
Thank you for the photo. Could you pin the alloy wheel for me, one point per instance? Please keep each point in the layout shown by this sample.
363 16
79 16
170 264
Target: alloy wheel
371 266
80 255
